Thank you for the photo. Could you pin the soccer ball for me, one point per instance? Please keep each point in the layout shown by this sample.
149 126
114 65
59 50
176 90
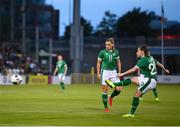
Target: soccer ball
16 79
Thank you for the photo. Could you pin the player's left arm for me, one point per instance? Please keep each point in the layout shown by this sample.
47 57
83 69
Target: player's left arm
162 67
65 69
130 71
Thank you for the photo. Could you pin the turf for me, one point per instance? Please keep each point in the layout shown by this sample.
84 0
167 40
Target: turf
81 105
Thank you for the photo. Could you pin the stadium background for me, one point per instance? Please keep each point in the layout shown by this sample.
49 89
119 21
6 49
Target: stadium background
30 31
29 44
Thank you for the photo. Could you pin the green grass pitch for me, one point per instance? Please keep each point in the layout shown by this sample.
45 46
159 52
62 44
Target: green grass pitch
81 105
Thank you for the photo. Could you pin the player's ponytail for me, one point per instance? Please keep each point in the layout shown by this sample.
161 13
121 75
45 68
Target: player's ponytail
145 49
111 39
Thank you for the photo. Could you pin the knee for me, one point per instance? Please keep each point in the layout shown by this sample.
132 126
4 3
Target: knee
133 79
105 89
138 93
119 88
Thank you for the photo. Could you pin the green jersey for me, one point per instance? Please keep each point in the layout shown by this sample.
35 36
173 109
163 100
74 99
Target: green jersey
60 65
109 59
147 66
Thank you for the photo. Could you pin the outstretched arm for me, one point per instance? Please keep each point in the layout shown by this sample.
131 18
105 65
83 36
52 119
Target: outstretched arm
130 71
162 67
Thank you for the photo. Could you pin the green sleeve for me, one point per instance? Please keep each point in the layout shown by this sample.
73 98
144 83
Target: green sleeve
141 63
100 56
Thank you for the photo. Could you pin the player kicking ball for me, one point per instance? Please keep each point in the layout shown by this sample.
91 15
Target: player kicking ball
145 82
61 68
159 65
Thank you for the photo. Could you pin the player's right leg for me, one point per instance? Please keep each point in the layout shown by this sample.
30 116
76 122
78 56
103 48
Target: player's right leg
121 83
105 97
104 76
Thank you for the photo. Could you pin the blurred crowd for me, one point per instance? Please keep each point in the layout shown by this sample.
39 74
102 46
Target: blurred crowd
14 61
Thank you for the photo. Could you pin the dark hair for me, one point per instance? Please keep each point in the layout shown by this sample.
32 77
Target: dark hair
60 55
145 49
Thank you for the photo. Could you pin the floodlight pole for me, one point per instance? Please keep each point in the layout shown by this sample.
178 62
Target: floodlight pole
162 46
12 20
37 43
76 39
50 54
23 9
162 35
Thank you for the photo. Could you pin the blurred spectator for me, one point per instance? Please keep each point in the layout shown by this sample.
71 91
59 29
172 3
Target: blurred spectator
1 63
14 61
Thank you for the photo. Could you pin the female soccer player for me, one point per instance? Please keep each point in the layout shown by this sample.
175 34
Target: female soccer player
108 59
145 82
159 65
61 68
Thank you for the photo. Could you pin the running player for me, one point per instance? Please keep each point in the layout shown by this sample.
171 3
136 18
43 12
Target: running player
61 68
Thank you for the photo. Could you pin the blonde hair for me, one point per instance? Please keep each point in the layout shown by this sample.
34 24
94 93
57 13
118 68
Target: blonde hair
111 39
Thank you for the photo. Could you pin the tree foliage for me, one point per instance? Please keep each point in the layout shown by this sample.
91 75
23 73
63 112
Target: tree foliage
87 28
107 26
135 22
